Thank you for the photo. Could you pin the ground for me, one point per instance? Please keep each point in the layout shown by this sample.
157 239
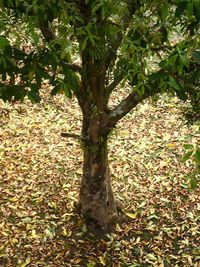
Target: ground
40 176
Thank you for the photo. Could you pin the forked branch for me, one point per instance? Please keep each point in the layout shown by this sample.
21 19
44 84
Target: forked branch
115 44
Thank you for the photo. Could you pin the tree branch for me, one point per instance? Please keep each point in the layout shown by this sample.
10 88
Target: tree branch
125 22
163 47
72 66
114 83
47 31
129 103
112 50
49 35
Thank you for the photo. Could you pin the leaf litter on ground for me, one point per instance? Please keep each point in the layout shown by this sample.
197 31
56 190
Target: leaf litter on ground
40 176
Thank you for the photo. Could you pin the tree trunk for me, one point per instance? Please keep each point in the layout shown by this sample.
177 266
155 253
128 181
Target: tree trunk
96 200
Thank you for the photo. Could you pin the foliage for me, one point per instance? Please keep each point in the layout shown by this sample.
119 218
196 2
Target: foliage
147 35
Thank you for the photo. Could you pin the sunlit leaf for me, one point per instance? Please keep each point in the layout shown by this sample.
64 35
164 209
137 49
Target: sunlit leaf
131 215
102 260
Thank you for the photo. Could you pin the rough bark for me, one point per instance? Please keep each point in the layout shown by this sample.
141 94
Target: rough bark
96 197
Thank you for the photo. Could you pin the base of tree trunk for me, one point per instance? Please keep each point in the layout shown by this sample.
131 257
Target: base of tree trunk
103 213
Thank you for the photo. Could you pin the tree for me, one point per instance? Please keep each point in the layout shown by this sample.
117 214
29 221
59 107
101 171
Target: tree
115 42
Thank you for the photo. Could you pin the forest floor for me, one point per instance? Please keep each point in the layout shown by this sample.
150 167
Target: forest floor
40 176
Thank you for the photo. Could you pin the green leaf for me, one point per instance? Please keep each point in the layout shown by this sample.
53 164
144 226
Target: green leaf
187 156
44 73
54 62
67 91
56 89
164 65
48 232
190 8
184 60
84 228
90 36
164 11
96 7
180 66
188 146
196 55
18 54
28 260
27 219
197 156
180 9
172 60
193 183
26 68
157 76
3 43
197 10
84 44
174 84
31 74
184 186
33 95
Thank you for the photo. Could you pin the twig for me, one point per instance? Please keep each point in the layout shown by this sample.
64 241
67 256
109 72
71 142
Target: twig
76 136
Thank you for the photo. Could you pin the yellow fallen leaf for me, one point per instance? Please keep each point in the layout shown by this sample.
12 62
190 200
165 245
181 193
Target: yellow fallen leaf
102 260
79 172
14 241
28 260
118 228
4 233
77 261
170 145
54 205
36 194
137 241
64 231
34 235
131 215
38 199
60 254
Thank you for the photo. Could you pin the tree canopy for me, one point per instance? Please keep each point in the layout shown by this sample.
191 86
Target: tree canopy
128 34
